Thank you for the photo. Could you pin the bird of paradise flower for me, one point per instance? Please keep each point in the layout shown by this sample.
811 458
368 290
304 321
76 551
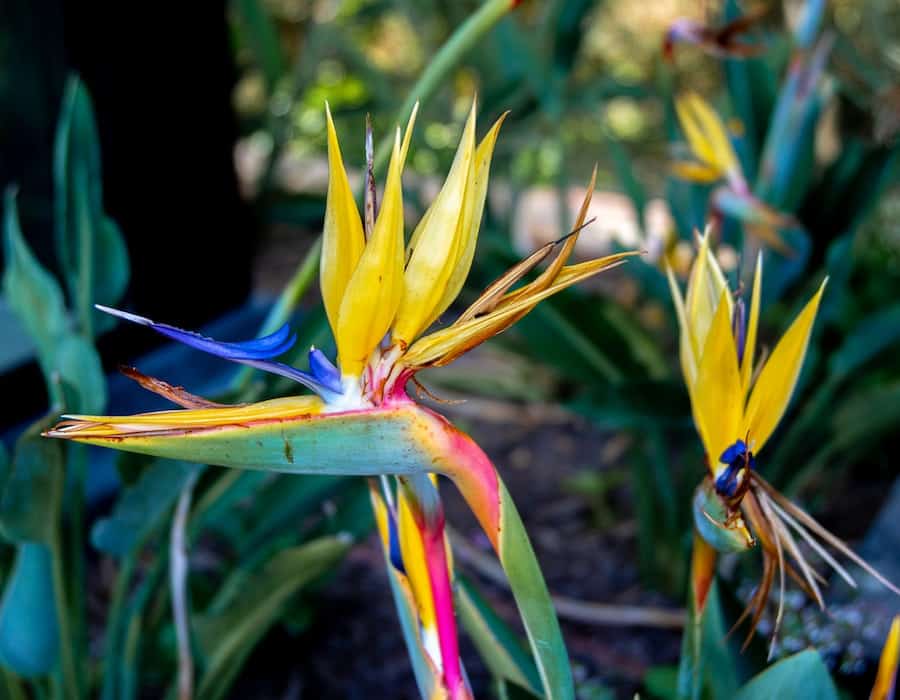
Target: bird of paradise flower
381 296
737 402
716 161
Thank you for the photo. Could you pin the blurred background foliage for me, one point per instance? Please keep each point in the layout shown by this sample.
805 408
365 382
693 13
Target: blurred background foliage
216 149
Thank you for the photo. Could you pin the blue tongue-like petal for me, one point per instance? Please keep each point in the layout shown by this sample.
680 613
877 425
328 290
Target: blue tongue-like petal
323 370
256 353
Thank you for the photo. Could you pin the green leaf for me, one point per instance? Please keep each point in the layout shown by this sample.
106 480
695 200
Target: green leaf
142 507
533 600
802 675
29 633
228 637
705 658
29 501
89 244
32 293
497 644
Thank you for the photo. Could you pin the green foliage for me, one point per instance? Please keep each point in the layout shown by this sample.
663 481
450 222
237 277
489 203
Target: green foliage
31 492
29 635
142 507
89 245
226 638
800 675
500 648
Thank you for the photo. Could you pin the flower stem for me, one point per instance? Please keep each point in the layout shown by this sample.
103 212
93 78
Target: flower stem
178 573
67 660
115 622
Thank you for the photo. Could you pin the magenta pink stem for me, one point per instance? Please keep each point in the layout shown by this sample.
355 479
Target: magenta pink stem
432 529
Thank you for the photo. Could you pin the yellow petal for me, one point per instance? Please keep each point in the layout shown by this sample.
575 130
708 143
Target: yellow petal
697 139
186 419
705 288
885 681
752 325
776 382
376 287
342 236
714 133
716 398
687 345
413 551
695 172
443 346
436 241
466 250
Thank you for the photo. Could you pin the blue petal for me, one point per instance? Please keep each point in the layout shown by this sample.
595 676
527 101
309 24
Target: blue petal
323 370
263 348
736 451
394 543
255 353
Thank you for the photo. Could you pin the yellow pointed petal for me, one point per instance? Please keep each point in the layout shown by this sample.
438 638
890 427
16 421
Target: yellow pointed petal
466 250
413 551
342 236
186 419
687 344
885 681
693 132
374 291
776 382
716 397
752 325
695 172
716 134
705 288
443 346
436 242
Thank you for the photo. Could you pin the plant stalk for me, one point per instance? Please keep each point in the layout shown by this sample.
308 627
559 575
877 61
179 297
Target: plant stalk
178 574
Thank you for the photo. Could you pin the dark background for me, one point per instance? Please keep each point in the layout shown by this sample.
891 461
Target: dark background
162 95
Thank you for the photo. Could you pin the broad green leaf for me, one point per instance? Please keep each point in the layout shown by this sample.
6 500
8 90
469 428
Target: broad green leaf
89 244
30 498
29 633
497 644
32 293
227 638
533 599
142 507
802 675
